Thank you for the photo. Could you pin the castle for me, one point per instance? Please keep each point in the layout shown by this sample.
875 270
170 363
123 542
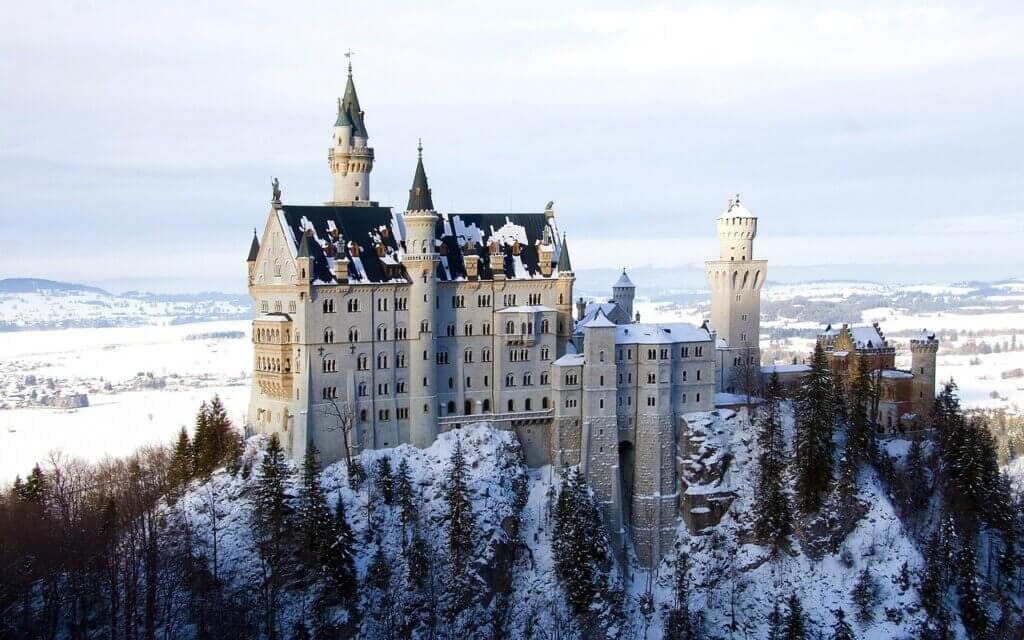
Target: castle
374 328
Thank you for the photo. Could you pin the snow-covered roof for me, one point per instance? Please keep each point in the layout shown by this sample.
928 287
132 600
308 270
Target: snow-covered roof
668 333
610 309
598 321
840 354
785 368
623 281
736 210
570 360
534 308
867 337
897 374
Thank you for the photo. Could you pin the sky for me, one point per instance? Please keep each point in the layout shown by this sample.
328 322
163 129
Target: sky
882 140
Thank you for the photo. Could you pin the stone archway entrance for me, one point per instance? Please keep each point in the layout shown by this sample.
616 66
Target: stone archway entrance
626 466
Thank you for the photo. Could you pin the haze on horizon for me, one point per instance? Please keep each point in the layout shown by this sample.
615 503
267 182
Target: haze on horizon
137 142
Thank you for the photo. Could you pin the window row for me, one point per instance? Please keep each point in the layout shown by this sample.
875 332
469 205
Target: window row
353 306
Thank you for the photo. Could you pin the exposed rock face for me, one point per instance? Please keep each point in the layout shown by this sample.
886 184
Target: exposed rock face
704 464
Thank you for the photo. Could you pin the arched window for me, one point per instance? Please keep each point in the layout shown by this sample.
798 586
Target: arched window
544 326
487 405
328 335
511 405
362 390
529 404
523 326
544 402
510 327
510 380
362 362
353 305
451 407
353 334
382 361
468 408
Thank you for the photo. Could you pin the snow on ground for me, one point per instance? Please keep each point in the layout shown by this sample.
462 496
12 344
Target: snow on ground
117 423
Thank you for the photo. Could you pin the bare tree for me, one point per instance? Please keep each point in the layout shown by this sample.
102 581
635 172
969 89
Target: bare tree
343 417
746 376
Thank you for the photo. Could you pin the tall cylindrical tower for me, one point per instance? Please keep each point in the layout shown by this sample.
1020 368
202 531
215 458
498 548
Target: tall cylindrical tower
349 157
923 351
735 282
623 292
421 263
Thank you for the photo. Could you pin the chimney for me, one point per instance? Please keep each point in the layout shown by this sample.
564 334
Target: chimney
341 269
546 252
581 308
497 261
471 260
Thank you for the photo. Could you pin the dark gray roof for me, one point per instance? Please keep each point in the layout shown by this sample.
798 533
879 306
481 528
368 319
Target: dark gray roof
254 248
343 118
365 226
304 246
350 105
419 195
457 234
564 264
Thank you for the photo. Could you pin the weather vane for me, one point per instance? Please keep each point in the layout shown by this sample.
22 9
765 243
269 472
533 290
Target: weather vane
348 54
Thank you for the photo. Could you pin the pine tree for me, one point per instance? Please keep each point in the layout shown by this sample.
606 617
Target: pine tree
461 532
776 623
841 629
36 488
337 556
461 522
812 455
314 518
679 623
181 460
915 479
202 442
417 562
273 519
973 610
863 595
406 499
859 436
772 511
579 541
384 479
795 625
903 580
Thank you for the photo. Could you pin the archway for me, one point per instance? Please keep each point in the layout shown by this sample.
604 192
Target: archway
626 466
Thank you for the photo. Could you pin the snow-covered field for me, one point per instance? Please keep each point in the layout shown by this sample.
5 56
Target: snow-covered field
128 415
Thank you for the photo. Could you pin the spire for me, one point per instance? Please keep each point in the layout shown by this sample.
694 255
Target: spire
254 248
343 119
564 265
350 104
304 246
624 280
419 195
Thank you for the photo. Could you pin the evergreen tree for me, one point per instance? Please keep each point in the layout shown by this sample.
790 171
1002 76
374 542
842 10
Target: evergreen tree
314 518
417 562
406 499
461 522
384 479
841 629
202 442
578 542
776 623
273 519
973 611
859 434
771 503
679 623
461 532
812 455
915 479
903 580
864 596
181 460
35 489
337 557
795 627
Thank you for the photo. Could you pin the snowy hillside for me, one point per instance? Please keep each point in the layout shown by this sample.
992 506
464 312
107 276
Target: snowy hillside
735 583
42 304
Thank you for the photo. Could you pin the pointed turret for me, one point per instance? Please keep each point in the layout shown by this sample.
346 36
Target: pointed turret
254 248
350 106
343 119
419 195
304 246
564 264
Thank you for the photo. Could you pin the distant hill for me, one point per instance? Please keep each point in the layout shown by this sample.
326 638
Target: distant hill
37 285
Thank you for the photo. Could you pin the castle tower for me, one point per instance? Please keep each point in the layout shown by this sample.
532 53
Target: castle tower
348 157
420 261
735 282
564 307
623 292
923 350
254 252
600 457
